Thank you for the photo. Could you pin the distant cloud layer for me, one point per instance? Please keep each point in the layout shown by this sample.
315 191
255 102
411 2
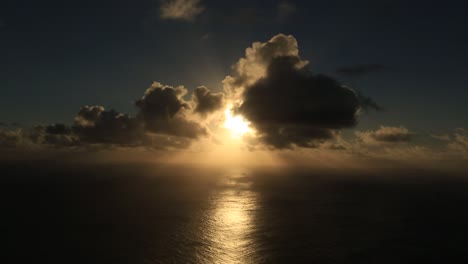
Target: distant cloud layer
164 120
459 142
385 135
185 10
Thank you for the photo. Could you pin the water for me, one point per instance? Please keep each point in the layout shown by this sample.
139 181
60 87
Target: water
153 214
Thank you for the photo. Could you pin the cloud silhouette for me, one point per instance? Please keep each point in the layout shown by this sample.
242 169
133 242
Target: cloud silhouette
162 122
161 111
206 101
286 103
257 58
94 124
272 87
185 10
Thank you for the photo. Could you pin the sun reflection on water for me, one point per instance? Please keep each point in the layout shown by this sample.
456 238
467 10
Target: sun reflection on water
230 226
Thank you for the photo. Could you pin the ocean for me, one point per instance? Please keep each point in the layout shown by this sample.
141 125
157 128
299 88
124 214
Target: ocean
152 213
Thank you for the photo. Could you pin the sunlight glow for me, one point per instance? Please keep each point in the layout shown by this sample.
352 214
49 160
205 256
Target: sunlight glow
236 124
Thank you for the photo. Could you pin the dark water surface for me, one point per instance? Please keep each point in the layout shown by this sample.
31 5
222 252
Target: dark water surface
156 214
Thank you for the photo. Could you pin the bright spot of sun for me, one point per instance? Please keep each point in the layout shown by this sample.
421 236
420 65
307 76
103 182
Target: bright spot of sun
236 123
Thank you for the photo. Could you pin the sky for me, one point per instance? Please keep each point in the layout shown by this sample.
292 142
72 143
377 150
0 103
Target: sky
354 77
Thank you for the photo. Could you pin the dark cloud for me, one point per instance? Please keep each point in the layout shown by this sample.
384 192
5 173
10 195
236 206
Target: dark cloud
161 110
362 69
291 106
385 135
287 104
34 137
58 129
368 103
162 101
12 124
94 124
207 101
162 122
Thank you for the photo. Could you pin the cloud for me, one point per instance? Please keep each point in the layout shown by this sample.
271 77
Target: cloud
250 69
58 129
459 141
444 137
287 104
368 103
385 134
161 109
11 138
206 101
362 69
163 121
185 10
285 10
12 124
95 125
35 137
272 87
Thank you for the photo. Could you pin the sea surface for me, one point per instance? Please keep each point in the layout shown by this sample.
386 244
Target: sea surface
140 213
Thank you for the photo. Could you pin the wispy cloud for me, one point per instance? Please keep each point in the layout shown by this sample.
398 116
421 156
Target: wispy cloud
185 10
285 10
384 135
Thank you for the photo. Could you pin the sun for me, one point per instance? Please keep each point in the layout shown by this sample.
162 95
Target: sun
236 123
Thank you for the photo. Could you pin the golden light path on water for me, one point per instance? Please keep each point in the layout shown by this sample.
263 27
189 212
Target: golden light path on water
231 223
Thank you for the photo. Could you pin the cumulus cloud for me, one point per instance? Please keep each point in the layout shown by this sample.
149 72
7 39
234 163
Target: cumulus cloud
94 124
361 69
163 121
385 134
272 87
161 110
255 63
186 10
206 101
285 102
